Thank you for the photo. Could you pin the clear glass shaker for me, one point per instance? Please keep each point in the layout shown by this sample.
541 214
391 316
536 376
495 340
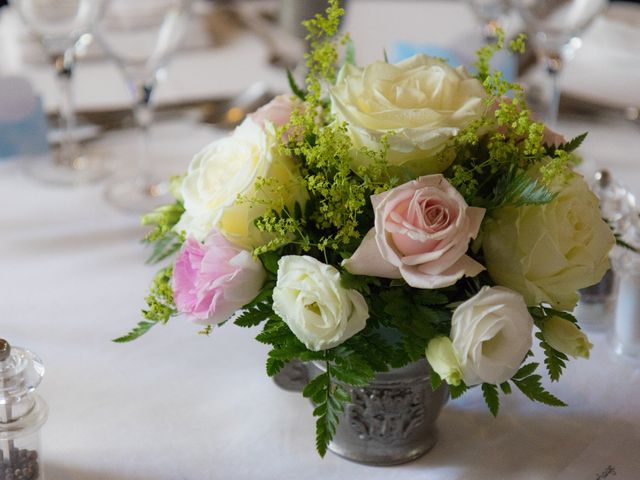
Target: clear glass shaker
617 204
626 330
597 302
22 414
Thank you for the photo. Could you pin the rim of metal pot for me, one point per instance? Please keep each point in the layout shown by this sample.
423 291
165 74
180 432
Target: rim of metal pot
412 372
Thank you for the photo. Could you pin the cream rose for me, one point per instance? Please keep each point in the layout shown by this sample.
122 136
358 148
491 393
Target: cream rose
421 234
319 311
548 252
420 102
491 334
566 337
227 168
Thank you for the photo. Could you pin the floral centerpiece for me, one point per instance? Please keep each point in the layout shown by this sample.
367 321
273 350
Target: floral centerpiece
411 198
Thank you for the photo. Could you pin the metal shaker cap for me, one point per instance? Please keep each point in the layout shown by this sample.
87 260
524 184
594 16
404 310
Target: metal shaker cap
21 372
603 178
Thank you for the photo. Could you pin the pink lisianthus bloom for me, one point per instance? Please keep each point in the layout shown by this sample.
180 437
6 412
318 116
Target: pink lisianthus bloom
421 234
211 281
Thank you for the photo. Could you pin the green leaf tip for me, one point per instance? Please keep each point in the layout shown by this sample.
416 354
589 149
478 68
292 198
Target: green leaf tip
295 88
490 394
143 327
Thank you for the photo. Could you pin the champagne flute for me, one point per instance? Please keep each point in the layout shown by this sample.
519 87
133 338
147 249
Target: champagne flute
493 14
60 25
556 26
141 36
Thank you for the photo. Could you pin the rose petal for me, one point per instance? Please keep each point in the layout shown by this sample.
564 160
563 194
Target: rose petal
418 278
475 216
367 260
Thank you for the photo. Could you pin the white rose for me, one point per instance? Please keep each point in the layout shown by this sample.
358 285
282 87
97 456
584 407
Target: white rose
420 102
319 311
547 252
491 334
229 167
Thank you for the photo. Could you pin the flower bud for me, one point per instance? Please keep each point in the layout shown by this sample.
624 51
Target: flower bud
443 360
566 337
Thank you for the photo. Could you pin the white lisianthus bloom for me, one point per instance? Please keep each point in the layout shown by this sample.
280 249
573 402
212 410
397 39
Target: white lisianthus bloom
318 310
566 337
420 103
230 167
442 358
548 252
491 334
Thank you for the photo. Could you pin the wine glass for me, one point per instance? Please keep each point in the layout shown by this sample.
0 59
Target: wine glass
141 36
556 26
493 14
60 25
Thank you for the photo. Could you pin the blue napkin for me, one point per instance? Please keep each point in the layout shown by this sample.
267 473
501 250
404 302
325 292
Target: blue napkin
403 50
23 127
503 61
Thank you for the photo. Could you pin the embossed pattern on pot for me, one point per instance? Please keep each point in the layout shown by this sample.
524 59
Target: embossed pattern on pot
391 420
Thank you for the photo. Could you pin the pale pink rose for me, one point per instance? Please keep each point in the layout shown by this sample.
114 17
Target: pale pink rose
421 234
277 111
212 281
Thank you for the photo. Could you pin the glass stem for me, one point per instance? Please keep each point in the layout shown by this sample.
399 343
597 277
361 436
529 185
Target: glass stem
64 64
143 116
554 68
490 32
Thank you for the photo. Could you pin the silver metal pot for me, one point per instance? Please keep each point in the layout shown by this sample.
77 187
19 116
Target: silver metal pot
391 420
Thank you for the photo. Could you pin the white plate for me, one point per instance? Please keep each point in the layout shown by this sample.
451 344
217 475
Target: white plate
606 70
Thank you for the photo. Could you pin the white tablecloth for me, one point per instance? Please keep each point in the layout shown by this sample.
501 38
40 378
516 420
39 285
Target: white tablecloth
176 405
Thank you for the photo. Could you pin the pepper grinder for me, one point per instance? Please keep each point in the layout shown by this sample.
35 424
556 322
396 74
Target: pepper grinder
22 414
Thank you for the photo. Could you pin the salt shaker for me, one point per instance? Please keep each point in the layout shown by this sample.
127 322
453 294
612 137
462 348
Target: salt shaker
617 204
22 414
597 301
626 330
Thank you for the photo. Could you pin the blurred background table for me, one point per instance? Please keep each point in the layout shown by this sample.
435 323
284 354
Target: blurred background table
176 405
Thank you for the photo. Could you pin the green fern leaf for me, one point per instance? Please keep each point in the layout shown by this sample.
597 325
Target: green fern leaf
554 361
457 391
574 143
139 330
490 394
517 189
435 379
251 318
532 387
330 400
526 370
274 365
